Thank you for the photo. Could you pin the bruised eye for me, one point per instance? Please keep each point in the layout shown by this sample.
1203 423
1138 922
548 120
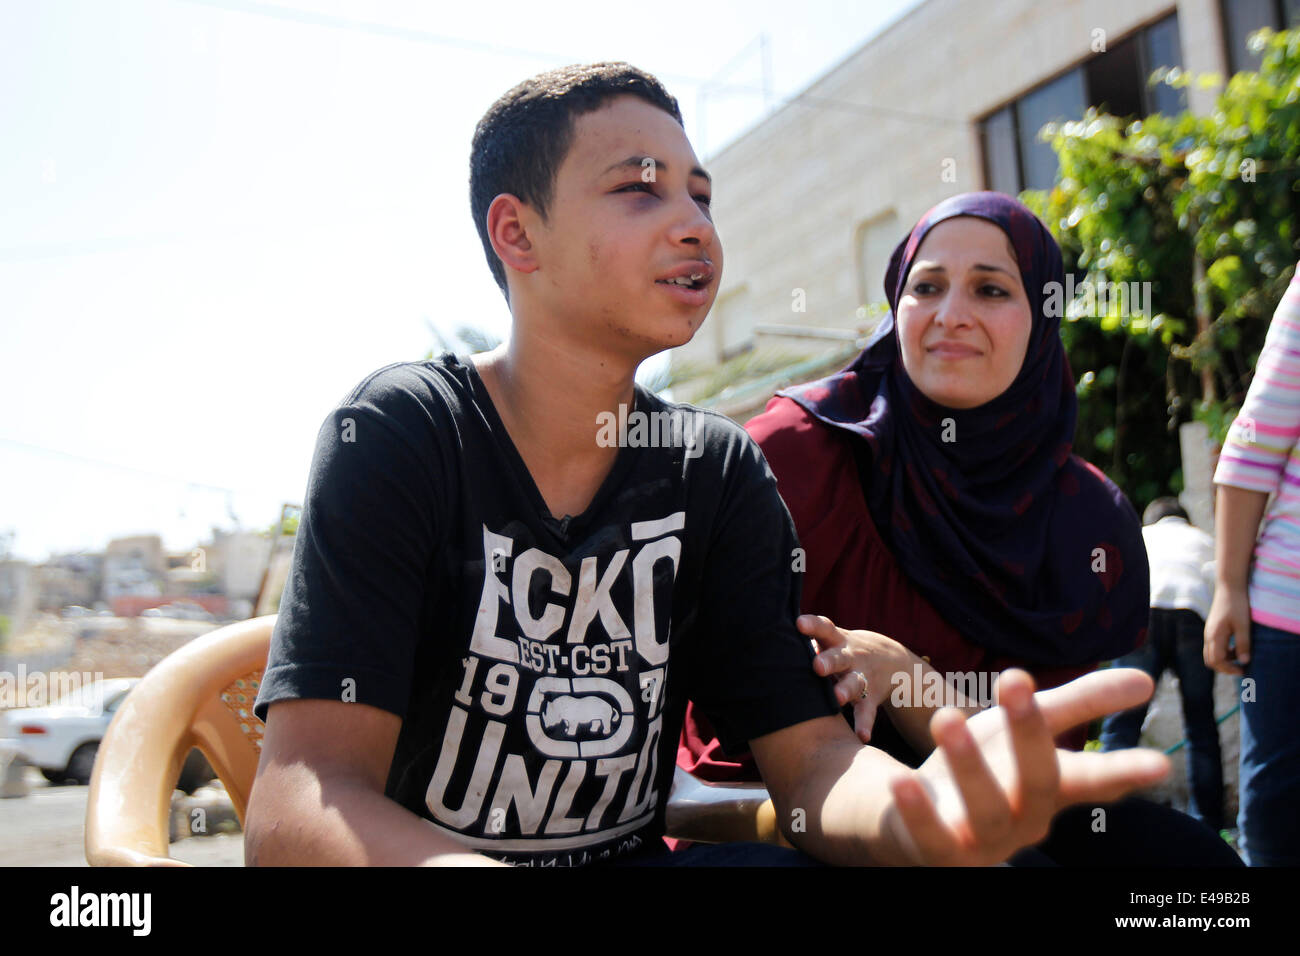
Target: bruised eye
704 199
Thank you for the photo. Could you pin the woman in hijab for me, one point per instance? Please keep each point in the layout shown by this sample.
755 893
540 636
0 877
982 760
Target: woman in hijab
946 525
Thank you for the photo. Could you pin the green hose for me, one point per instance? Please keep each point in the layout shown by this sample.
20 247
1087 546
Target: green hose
1182 743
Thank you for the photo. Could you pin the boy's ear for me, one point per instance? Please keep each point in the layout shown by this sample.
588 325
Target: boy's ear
508 220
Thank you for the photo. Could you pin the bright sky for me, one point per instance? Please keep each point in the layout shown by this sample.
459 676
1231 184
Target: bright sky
217 216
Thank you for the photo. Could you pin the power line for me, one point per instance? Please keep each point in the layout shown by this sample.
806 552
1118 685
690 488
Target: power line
805 100
375 28
330 21
58 453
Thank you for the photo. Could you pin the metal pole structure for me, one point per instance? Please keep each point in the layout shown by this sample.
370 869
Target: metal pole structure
765 54
270 558
1208 391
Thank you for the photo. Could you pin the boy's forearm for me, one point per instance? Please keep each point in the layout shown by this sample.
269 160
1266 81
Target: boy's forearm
1236 523
838 815
343 824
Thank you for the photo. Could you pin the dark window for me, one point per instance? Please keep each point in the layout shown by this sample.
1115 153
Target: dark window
1062 99
1162 48
1117 80
1241 18
1000 152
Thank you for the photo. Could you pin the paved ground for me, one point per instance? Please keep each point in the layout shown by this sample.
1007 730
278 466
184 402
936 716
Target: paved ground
47 828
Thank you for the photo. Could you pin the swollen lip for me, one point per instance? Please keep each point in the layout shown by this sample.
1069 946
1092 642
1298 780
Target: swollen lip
686 294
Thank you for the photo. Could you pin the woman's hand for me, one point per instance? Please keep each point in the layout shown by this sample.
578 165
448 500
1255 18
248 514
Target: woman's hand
1229 617
866 662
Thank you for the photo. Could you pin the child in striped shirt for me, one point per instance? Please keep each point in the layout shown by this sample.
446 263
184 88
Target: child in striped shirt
1253 628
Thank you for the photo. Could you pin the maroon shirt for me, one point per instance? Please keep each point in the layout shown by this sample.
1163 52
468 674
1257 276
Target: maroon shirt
851 577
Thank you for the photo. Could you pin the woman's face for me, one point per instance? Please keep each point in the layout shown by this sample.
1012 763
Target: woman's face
963 316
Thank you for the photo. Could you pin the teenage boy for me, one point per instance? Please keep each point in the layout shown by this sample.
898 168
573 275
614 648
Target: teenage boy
500 602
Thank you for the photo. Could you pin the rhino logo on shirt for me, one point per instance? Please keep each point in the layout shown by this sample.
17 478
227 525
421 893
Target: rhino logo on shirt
593 712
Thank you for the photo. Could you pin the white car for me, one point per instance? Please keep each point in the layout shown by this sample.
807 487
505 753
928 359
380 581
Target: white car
61 739
181 610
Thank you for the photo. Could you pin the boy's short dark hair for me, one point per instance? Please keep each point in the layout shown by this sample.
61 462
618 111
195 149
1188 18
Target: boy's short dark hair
1163 508
524 136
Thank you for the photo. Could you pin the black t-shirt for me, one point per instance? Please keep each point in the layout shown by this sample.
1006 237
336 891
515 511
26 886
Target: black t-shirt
540 667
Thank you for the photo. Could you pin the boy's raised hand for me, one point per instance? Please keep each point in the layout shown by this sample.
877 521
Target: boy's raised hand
996 780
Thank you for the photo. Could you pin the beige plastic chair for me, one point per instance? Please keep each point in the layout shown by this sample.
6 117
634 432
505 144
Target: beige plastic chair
202 696
199 696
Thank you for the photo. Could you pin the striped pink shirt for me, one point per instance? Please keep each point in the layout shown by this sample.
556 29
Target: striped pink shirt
1261 453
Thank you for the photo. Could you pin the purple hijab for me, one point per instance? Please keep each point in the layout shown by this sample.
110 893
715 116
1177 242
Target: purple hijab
1022 546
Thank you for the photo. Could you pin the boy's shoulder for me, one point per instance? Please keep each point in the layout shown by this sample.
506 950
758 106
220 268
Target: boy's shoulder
416 402
442 380
405 415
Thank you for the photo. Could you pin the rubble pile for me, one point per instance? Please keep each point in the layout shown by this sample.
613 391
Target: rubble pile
131 650
113 646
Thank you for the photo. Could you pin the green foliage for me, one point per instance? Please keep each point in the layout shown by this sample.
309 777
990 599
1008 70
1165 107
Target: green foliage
705 382
466 338
288 525
1141 202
